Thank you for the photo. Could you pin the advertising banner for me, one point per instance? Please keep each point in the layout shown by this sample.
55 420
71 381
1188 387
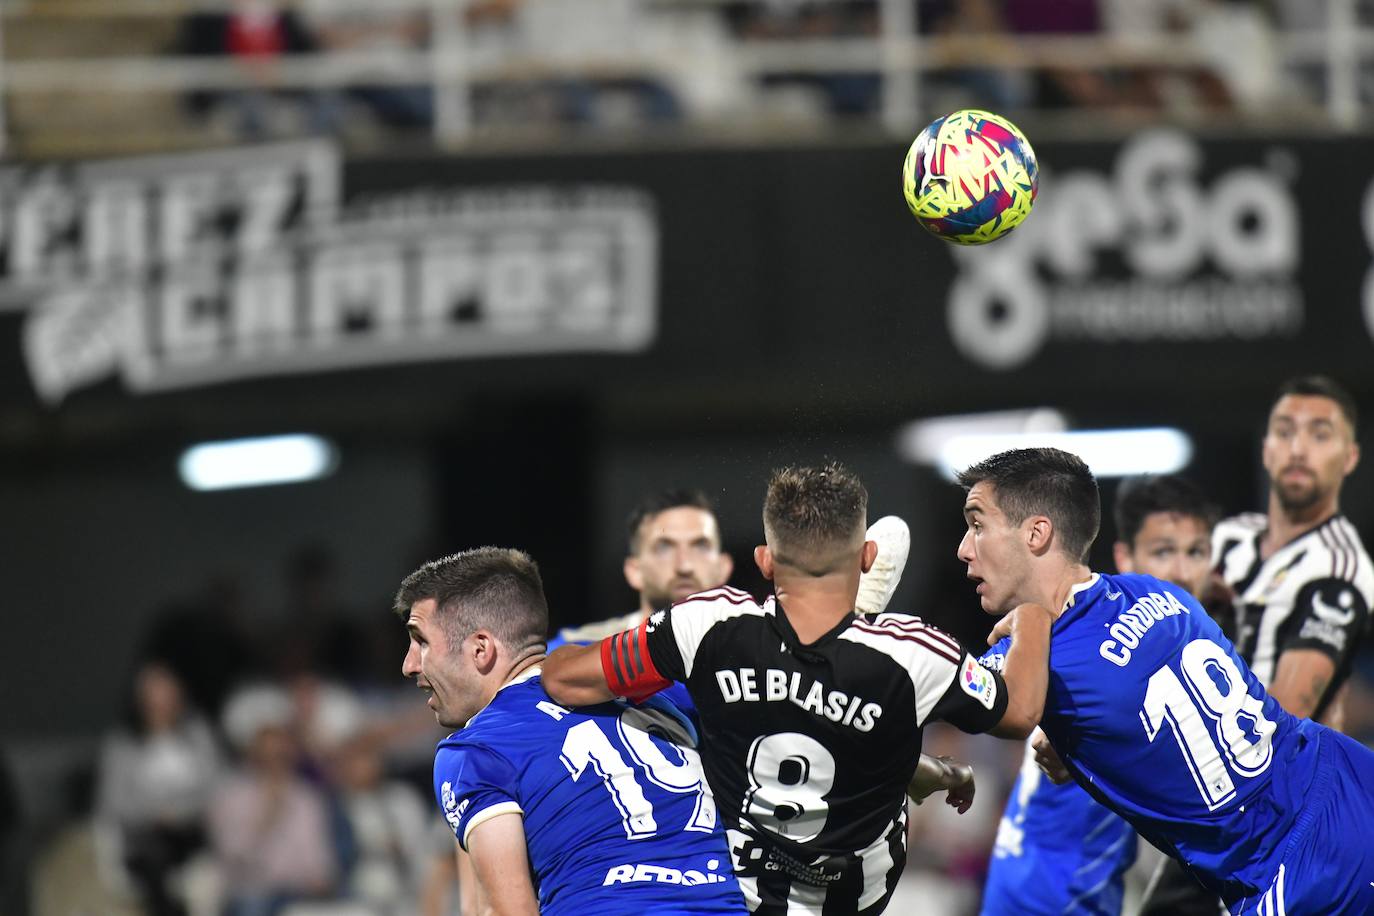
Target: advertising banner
1162 264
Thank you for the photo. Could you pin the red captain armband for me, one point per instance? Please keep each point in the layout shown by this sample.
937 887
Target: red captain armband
629 670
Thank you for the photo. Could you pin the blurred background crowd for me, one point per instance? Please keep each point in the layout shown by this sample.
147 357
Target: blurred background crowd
94 77
202 708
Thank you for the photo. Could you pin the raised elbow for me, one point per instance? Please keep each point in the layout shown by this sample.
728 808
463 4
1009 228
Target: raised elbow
1019 720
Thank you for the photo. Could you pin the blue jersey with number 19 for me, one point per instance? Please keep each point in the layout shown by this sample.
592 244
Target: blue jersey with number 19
618 817
1158 718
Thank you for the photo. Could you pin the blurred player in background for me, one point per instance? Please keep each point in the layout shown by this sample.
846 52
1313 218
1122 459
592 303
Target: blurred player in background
674 551
1301 578
1057 850
604 812
1153 711
811 714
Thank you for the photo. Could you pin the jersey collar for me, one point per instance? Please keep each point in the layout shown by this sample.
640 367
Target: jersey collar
775 612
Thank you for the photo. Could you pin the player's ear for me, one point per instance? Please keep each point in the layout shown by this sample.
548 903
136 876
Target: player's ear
1121 553
633 574
868 555
1353 458
763 558
481 648
1038 531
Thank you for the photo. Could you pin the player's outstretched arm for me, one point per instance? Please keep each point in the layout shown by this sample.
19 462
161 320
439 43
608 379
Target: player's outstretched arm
1026 672
502 866
573 676
934 774
618 666
1301 679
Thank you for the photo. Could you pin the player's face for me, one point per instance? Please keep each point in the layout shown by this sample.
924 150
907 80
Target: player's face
1308 450
994 549
1170 546
679 555
443 671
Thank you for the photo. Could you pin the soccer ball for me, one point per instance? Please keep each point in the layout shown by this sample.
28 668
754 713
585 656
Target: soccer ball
970 177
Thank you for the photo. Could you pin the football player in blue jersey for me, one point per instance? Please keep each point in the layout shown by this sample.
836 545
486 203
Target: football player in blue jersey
602 809
1055 838
1150 708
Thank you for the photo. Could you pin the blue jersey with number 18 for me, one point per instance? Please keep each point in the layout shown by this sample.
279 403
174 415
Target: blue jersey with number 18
618 817
1158 718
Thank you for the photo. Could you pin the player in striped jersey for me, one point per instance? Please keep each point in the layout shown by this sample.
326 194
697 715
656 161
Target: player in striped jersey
811 715
1302 581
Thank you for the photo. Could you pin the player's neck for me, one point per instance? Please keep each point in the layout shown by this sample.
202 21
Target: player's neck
815 606
1287 525
1053 594
526 661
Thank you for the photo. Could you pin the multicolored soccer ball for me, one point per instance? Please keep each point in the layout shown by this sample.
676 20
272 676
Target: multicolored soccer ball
970 177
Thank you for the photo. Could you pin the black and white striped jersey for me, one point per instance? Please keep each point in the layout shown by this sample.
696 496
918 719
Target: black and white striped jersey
809 749
1315 592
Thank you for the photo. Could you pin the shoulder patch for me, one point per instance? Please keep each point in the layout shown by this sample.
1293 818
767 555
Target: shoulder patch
453 811
978 682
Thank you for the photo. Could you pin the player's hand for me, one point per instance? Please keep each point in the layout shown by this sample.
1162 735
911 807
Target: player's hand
934 774
1047 759
1007 624
960 796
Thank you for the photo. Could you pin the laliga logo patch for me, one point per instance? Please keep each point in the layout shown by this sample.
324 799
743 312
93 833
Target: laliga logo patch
978 683
655 619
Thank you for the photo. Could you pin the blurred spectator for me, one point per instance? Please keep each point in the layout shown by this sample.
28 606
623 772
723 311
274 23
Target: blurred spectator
257 34
269 828
844 94
387 839
585 44
155 780
387 36
1149 84
204 641
977 25
441 894
316 630
1062 87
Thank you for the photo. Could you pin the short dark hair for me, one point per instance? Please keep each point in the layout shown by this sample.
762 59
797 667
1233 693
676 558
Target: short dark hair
1044 481
812 515
491 588
662 501
1322 386
1140 497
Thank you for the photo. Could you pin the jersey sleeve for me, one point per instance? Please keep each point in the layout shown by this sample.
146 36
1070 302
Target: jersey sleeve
996 657
975 700
628 664
1330 616
473 784
667 646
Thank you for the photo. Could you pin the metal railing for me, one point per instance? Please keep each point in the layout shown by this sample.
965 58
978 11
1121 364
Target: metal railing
452 64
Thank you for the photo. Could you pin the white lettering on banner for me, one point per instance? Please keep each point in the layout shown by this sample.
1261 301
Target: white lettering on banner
191 269
1203 262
